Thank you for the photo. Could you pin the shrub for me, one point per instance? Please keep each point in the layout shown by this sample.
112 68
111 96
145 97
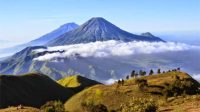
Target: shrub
142 73
127 77
142 83
181 87
53 106
139 105
91 107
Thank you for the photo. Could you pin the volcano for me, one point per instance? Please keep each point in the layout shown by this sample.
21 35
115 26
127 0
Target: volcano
98 29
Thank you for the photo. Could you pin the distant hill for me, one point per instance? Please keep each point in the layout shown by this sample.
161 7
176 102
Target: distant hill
43 39
94 68
77 82
30 90
98 29
22 62
115 95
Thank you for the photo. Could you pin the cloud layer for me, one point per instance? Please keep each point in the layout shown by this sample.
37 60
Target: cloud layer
196 76
112 48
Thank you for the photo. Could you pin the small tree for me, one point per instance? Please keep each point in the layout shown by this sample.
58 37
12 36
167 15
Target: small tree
119 82
144 73
151 72
122 82
127 77
133 73
159 71
140 72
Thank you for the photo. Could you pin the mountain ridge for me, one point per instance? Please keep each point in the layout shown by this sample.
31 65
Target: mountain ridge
53 34
43 39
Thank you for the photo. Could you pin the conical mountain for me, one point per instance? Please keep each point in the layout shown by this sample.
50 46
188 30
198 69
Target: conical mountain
97 29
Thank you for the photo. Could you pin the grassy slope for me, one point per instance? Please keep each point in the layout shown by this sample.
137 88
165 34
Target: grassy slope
16 109
31 90
77 82
113 96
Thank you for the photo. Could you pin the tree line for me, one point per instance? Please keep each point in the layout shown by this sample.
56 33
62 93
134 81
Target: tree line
139 73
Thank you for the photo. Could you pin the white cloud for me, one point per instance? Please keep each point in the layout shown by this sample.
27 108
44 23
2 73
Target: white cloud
196 76
110 81
112 48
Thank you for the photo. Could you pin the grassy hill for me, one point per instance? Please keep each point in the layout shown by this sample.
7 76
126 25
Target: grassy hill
170 91
30 90
20 109
77 82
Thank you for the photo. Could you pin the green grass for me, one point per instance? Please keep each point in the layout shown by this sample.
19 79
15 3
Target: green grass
71 81
77 82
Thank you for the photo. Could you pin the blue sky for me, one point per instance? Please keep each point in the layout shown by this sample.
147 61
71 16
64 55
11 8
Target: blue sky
24 20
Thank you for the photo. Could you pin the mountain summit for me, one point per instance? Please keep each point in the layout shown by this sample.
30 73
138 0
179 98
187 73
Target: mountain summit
97 29
147 34
54 34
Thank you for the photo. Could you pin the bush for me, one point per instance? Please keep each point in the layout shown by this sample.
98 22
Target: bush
91 107
142 73
53 106
181 87
142 83
139 105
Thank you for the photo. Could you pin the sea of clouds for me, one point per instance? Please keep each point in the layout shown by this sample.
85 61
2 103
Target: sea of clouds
196 76
112 48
